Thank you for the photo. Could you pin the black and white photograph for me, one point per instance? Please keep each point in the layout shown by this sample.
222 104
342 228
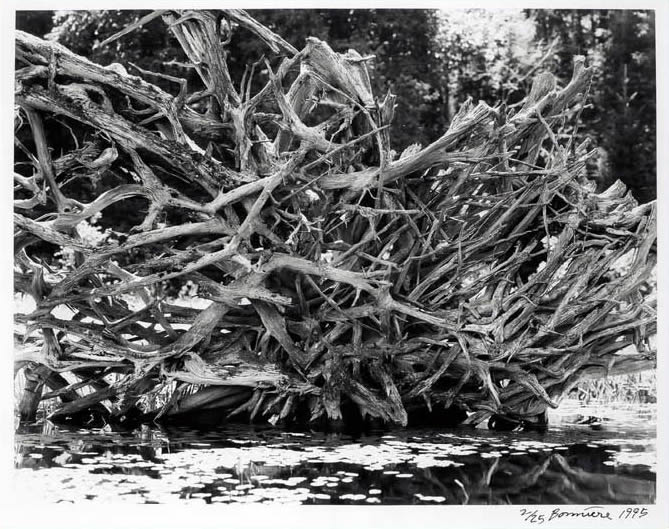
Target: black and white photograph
335 259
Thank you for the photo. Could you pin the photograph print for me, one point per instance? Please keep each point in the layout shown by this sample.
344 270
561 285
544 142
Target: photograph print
337 257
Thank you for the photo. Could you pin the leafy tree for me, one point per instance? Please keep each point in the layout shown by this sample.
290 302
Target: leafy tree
36 22
150 46
487 54
620 45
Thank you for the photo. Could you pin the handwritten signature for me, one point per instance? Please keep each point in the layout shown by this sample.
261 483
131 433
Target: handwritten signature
537 516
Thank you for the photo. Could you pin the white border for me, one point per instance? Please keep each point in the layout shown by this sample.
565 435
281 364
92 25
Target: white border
308 517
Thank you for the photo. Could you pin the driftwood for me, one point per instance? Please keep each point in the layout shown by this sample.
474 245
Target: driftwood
344 280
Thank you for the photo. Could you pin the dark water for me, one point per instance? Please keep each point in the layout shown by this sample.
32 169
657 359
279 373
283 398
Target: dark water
608 461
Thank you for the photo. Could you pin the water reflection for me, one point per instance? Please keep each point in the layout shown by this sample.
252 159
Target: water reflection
242 465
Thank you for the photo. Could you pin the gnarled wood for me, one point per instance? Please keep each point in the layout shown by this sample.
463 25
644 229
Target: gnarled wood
479 272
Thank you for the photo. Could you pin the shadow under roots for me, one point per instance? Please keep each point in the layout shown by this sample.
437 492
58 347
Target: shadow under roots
351 421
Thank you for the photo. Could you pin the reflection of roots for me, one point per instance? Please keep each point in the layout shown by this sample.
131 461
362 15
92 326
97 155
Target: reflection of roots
532 480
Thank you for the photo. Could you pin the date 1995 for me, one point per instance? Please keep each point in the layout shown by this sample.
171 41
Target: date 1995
633 512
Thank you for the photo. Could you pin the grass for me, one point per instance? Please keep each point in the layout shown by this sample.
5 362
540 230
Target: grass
637 388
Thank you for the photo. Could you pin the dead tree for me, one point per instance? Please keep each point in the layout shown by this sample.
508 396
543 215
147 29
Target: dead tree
476 273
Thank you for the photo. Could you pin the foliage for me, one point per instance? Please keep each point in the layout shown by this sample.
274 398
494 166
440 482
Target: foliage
487 54
36 22
90 234
634 388
150 46
620 45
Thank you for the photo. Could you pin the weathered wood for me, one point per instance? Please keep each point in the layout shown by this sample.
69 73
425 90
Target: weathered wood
480 272
32 392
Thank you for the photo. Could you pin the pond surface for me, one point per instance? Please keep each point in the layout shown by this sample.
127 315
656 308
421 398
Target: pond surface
579 460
